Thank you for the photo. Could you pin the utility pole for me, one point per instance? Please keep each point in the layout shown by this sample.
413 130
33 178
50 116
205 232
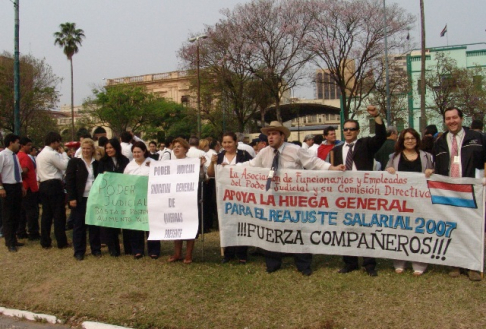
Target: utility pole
423 119
16 72
387 75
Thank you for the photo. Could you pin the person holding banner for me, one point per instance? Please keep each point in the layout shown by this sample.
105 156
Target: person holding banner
358 155
280 154
140 165
459 152
80 175
408 157
180 149
230 156
114 161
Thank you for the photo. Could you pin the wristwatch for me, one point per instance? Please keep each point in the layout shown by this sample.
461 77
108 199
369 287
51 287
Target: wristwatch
1 188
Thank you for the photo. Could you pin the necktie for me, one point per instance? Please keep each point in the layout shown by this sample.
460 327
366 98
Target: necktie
349 157
273 169
16 168
454 172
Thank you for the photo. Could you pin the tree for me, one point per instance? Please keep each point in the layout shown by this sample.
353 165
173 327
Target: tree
68 38
347 38
38 93
441 81
399 88
471 92
124 107
229 90
272 35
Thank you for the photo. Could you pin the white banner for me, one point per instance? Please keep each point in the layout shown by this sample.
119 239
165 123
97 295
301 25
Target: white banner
172 199
375 214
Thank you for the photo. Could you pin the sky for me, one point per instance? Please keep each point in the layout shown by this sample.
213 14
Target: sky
137 37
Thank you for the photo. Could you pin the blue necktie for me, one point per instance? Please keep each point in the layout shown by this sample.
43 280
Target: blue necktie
273 170
16 168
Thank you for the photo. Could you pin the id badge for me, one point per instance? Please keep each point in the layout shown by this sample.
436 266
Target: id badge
456 159
270 174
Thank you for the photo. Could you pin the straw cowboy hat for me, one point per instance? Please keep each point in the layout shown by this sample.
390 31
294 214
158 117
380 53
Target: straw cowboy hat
275 125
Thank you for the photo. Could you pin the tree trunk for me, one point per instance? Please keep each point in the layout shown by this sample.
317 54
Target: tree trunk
277 109
72 100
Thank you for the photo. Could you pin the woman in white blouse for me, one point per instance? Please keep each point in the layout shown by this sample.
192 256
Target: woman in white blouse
140 165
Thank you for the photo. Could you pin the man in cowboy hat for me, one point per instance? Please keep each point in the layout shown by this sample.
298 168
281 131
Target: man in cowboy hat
288 156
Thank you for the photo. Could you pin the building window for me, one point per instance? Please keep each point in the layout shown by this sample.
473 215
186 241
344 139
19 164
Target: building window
327 87
319 85
400 124
419 82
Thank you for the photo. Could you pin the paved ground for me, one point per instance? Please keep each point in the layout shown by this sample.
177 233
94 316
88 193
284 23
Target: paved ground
8 322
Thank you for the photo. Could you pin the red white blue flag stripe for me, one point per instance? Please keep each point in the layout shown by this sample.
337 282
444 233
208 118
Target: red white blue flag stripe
456 195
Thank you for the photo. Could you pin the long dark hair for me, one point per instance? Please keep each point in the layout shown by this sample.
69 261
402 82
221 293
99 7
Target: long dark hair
400 144
116 145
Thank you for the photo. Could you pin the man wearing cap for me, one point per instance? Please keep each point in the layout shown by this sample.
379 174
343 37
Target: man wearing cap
289 156
357 155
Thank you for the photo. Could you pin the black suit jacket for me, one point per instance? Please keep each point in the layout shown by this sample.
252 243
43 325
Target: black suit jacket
155 156
76 177
241 156
107 164
364 150
473 153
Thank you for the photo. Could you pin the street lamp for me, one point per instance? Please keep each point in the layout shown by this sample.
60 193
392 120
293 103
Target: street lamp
387 76
196 39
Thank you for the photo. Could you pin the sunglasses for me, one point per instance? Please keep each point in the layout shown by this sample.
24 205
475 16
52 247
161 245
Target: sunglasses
350 129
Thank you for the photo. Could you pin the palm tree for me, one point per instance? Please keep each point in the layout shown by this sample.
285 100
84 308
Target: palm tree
69 38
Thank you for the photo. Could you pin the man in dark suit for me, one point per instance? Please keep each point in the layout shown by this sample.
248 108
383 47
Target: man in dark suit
458 153
358 155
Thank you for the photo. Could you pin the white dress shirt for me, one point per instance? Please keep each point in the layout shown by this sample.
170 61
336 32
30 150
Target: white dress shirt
194 152
126 150
247 148
91 178
134 168
51 164
7 167
313 149
291 157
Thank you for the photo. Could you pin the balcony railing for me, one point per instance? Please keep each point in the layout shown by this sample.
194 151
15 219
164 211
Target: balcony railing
147 78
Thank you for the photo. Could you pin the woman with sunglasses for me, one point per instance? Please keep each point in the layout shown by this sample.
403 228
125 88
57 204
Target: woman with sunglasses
408 157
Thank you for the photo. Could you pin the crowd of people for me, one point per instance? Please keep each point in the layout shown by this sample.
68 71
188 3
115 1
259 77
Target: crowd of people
53 178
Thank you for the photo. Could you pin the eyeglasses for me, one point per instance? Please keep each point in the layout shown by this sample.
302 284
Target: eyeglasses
410 139
350 129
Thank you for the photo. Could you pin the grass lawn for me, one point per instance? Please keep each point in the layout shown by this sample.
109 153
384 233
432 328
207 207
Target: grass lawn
150 293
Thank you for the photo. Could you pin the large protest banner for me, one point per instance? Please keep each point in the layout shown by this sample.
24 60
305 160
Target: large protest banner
172 199
118 200
375 214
